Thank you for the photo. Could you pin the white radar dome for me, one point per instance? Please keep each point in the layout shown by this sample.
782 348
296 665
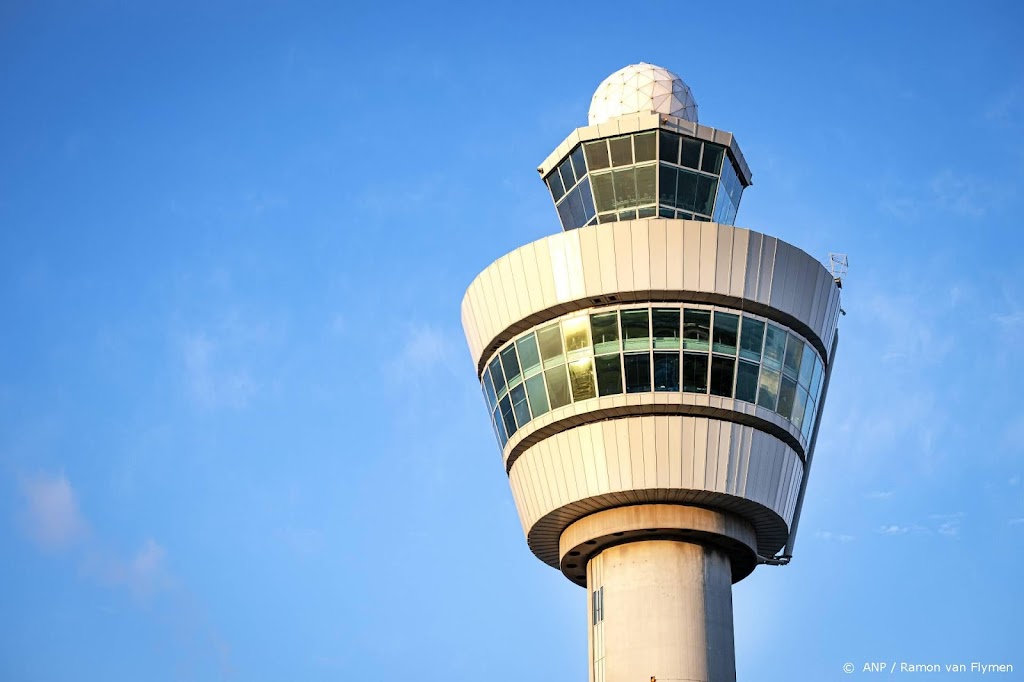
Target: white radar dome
641 88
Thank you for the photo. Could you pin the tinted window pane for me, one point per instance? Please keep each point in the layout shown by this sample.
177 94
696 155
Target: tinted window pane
648 212
696 329
746 382
665 325
550 341
555 185
774 347
635 330
712 161
645 184
691 153
798 407
686 191
565 214
510 363
724 340
499 428
581 377
669 147
565 170
807 366
809 417
496 376
529 357
667 185
597 155
721 376
609 374
625 187
787 397
705 194
538 396
506 416
695 373
643 147
666 371
794 351
751 339
666 212
606 332
577 333
627 215
638 372
579 168
768 388
575 201
604 195
492 399
558 386
519 404
622 151
588 199
816 377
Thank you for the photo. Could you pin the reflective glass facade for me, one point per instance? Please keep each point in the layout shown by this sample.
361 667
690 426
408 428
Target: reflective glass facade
659 348
647 174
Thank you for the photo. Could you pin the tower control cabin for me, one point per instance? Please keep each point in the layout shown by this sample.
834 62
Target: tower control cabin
655 378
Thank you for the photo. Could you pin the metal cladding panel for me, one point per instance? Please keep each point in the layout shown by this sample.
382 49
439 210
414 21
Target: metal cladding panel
710 455
648 260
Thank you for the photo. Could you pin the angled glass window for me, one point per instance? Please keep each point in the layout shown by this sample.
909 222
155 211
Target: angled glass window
695 373
597 155
609 374
529 356
496 376
622 151
638 372
555 185
768 388
807 366
605 328
581 378
669 147
579 167
604 192
636 329
625 187
787 397
511 364
665 326
644 147
550 341
565 170
686 191
774 347
691 153
492 399
667 186
816 379
577 333
565 215
809 416
696 329
538 395
575 202
705 194
587 199
646 212
499 427
519 405
746 381
799 407
724 339
507 417
645 184
666 371
751 339
627 215
665 212
794 350
712 160
558 387
722 370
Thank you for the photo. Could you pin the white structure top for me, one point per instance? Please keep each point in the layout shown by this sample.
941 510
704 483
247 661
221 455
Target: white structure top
641 88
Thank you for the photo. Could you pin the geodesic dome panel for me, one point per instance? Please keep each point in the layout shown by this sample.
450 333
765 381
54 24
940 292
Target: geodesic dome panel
640 88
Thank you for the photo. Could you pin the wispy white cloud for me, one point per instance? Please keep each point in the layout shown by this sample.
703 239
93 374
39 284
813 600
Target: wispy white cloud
211 385
829 536
425 349
894 529
946 192
143 573
880 495
51 516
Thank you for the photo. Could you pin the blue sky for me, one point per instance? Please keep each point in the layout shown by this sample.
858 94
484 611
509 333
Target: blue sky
240 437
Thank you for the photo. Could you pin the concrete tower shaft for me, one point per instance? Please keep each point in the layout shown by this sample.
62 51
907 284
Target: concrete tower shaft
655 378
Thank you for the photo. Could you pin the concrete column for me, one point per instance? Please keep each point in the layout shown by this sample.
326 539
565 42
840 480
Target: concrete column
667 613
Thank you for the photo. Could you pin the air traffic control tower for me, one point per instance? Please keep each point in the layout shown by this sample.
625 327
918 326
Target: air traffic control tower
655 378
